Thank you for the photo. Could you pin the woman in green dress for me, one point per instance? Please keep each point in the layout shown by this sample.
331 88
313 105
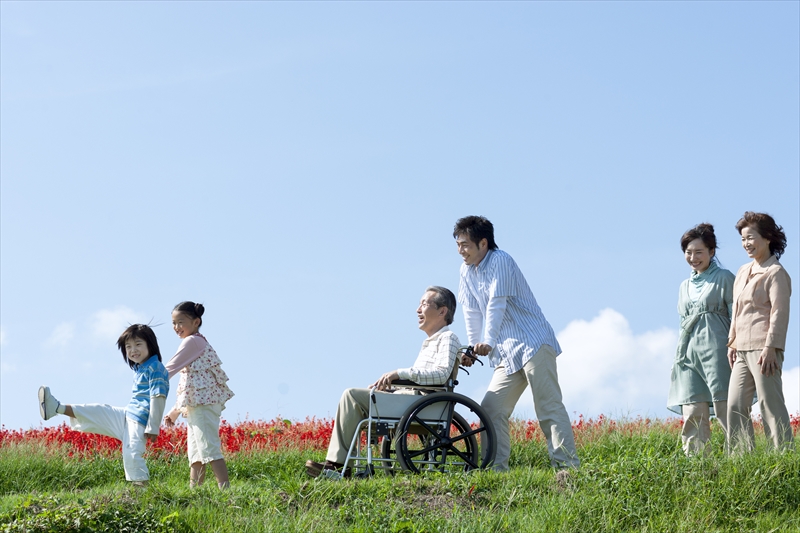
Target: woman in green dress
701 372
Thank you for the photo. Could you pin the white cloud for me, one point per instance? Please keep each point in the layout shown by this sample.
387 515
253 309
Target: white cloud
61 336
791 389
606 369
108 324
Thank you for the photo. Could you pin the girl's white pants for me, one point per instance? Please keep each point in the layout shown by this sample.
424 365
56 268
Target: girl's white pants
202 433
112 422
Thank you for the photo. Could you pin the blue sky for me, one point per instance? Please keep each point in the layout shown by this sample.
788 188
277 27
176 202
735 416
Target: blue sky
298 167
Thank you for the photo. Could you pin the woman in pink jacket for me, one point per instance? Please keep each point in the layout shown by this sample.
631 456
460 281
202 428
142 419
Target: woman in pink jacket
757 336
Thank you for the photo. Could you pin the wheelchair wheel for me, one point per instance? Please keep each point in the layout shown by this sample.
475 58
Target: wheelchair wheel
389 451
432 435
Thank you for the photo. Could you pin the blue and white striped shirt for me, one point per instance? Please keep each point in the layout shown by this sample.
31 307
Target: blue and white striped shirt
150 380
523 329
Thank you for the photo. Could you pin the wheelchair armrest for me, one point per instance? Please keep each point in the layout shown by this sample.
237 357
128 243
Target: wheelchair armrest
405 383
408 384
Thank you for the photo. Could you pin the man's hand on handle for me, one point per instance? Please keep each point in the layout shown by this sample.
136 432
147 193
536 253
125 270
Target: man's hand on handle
468 358
482 349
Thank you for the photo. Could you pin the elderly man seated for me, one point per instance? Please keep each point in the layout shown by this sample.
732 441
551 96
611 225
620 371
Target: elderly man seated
433 366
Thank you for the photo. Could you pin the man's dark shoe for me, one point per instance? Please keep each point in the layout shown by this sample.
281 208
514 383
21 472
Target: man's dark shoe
315 469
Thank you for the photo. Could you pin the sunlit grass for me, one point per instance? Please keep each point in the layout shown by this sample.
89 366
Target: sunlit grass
634 477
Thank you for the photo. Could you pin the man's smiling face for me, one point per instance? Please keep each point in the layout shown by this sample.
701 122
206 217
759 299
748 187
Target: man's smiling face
471 252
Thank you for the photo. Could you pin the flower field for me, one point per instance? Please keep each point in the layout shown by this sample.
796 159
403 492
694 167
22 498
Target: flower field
274 435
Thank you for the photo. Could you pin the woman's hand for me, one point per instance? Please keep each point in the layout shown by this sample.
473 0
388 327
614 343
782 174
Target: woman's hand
768 361
731 356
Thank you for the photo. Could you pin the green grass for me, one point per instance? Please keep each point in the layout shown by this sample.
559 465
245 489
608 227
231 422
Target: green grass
629 481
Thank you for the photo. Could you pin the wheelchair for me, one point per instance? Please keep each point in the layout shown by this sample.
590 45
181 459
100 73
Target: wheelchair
433 434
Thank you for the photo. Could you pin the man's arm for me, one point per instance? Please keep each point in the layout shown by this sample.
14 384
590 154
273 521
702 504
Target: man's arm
385 381
434 364
473 320
495 312
432 367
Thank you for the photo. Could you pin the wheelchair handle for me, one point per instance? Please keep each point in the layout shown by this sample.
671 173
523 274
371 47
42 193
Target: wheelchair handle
469 351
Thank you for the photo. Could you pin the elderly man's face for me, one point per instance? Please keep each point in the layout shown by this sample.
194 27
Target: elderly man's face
431 318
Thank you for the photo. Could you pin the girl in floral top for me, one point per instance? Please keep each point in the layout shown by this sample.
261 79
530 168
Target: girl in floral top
202 393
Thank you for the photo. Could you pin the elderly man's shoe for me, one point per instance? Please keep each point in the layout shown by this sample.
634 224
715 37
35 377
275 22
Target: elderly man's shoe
315 469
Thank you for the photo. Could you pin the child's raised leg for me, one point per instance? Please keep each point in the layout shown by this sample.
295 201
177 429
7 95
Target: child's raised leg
103 420
50 407
220 470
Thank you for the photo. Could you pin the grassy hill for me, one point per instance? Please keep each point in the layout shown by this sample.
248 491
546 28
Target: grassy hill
634 477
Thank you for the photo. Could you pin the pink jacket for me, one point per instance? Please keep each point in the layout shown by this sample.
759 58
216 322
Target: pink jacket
203 382
760 306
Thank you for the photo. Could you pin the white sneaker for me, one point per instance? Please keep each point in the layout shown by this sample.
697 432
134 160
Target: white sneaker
47 403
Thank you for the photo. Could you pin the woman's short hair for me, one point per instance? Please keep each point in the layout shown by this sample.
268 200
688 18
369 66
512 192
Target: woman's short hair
139 331
444 298
704 232
766 227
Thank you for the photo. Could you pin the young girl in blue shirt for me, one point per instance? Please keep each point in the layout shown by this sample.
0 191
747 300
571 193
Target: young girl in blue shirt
132 424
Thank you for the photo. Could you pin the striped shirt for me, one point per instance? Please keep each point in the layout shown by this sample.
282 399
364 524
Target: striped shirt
435 360
523 328
150 380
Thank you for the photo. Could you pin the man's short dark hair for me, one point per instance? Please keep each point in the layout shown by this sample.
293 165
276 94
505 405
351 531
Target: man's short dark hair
444 298
476 228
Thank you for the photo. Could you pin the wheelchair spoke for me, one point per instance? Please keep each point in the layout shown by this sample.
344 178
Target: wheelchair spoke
430 430
470 433
429 449
466 459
